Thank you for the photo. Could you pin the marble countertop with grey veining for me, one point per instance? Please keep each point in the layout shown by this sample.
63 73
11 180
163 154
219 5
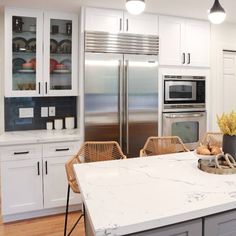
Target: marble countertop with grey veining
127 196
38 136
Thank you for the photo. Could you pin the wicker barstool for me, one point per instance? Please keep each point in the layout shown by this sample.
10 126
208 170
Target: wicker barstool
162 145
213 139
89 152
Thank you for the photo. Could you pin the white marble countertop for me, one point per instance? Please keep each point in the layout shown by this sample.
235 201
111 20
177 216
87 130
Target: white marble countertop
38 136
132 195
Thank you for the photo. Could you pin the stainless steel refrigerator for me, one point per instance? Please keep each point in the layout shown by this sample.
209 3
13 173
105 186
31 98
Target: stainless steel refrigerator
121 94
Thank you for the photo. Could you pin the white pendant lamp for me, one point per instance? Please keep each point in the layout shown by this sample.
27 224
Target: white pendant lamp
216 14
135 7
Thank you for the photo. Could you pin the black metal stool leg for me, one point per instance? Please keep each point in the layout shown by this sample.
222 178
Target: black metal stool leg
67 208
75 224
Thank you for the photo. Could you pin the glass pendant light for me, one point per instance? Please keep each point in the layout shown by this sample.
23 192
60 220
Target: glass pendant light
216 14
135 7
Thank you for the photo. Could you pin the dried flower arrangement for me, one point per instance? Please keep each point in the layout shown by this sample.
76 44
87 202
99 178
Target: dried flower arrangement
227 123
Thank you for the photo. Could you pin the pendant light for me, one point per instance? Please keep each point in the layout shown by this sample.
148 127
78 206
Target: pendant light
135 7
216 14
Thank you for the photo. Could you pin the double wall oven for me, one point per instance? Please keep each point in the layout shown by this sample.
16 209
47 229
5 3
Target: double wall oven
184 108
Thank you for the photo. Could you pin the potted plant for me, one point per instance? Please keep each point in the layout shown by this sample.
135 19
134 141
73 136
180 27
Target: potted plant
227 125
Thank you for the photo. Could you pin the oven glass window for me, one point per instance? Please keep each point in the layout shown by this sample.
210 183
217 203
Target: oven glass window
180 91
188 131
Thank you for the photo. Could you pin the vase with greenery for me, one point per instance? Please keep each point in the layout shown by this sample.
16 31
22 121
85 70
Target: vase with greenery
227 125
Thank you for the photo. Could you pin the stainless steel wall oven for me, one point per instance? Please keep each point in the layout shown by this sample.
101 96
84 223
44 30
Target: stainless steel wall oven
184 109
184 92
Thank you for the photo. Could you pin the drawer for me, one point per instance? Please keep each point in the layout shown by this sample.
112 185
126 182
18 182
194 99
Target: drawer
61 149
20 152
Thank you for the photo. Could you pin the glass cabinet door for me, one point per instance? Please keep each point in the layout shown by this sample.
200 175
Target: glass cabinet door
60 54
23 53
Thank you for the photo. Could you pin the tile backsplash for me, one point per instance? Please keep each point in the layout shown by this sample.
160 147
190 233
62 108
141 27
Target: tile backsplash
65 106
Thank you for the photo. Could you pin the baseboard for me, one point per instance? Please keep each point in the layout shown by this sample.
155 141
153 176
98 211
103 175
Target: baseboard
40 213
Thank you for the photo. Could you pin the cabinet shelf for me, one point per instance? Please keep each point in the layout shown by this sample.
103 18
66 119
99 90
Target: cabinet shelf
24 53
24 32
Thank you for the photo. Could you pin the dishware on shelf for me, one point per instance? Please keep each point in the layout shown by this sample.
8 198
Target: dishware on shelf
53 46
61 71
31 45
33 61
67 63
26 86
20 44
17 64
49 126
64 46
30 71
70 122
60 66
58 124
53 64
27 65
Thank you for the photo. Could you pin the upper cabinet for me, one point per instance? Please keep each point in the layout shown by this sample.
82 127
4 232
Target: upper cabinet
115 21
103 20
41 50
184 42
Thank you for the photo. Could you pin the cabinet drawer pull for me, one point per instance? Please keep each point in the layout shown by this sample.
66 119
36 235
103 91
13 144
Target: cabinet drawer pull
46 167
21 153
189 58
38 168
183 58
39 87
62 149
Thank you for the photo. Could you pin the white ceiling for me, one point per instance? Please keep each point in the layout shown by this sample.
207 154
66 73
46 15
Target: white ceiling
187 8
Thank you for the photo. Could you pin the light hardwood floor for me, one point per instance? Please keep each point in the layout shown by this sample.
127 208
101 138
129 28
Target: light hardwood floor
51 225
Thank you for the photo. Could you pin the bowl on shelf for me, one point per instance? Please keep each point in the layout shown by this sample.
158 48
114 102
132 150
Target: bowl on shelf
27 65
60 67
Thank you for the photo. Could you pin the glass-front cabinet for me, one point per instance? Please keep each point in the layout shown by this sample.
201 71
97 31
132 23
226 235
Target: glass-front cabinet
41 50
60 56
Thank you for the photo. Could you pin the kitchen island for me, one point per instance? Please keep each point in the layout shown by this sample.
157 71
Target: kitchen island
164 195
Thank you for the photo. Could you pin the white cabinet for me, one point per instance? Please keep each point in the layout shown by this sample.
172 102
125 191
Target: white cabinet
104 20
55 156
41 53
142 24
33 177
21 186
115 21
184 42
55 183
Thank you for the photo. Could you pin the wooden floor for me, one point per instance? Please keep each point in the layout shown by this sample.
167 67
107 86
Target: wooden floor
51 225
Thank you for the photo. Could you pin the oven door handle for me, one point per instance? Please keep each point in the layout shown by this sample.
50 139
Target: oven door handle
183 115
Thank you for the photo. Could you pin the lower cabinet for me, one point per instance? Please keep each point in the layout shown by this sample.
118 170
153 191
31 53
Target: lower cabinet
223 224
55 183
33 177
191 228
21 186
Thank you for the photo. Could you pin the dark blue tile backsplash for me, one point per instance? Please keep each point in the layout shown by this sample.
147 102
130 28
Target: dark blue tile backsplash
65 106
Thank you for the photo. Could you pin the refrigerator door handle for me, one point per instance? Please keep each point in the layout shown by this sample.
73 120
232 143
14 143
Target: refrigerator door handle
120 69
127 104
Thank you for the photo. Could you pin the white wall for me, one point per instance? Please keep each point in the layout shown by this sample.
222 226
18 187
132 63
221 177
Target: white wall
223 37
1 74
